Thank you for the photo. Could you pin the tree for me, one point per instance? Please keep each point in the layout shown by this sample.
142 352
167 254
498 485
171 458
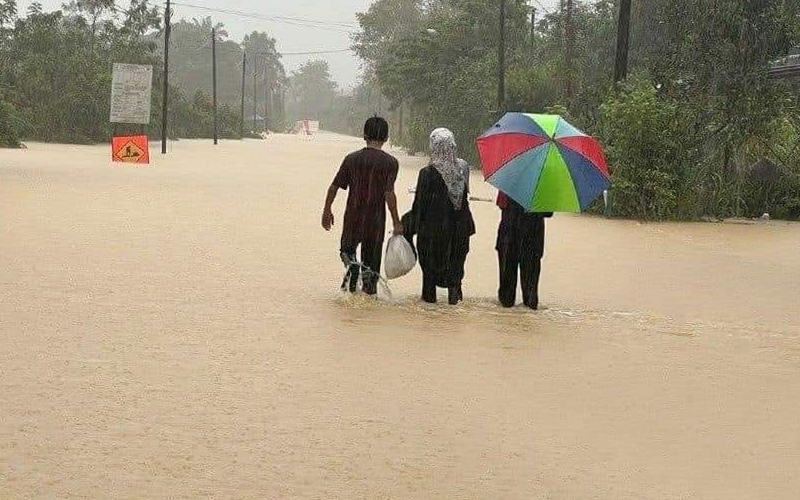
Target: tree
8 16
440 59
11 124
707 60
94 10
265 65
385 22
56 72
312 92
190 61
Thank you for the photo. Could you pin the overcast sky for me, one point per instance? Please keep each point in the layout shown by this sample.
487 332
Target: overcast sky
291 37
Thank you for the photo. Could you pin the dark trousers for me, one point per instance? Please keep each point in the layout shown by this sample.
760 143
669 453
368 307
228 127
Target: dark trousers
529 267
371 253
450 275
520 246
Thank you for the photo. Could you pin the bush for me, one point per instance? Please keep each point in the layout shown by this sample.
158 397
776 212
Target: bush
11 125
648 147
772 184
673 159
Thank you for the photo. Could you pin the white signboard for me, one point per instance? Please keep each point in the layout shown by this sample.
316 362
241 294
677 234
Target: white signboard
131 86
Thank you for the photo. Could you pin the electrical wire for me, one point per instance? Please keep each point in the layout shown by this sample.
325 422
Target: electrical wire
315 52
278 53
294 21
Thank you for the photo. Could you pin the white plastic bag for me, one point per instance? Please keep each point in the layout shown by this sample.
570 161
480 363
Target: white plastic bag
400 258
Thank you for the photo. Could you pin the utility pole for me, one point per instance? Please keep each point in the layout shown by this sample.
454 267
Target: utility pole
278 103
283 102
214 79
570 32
244 76
273 102
533 25
255 94
501 56
400 121
266 95
623 38
165 99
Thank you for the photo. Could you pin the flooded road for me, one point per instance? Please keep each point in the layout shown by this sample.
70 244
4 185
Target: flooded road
175 331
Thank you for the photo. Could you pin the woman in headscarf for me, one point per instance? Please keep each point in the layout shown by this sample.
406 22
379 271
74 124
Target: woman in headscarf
441 219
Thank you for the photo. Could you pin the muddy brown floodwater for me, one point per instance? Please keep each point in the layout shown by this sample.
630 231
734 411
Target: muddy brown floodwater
175 331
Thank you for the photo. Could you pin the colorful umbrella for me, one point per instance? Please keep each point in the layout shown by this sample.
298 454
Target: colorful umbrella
543 163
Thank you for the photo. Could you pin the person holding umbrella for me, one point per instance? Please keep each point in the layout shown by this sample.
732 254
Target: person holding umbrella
520 248
441 219
540 164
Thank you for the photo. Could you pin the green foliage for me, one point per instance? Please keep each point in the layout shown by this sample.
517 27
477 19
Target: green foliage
271 81
772 184
385 22
349 110
191 68
646 138
680 137
198 118
11 124
312 93
57 67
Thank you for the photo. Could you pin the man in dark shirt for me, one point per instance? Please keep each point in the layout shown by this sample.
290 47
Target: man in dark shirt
369 175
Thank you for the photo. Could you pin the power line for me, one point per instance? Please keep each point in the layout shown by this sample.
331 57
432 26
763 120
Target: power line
277 53
295 21
306 20
315 52
265 18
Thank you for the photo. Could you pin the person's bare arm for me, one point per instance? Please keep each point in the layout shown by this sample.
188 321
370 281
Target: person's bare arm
327 212
391 199
391 202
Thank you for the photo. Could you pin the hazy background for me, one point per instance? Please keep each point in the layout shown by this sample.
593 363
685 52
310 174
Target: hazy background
345 67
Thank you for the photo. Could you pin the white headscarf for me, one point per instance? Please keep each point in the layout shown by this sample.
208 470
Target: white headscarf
453 170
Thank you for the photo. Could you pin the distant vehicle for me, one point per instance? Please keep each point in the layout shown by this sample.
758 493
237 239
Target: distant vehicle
306 127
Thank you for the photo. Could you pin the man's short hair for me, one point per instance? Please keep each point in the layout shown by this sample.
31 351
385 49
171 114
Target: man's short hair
376 129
